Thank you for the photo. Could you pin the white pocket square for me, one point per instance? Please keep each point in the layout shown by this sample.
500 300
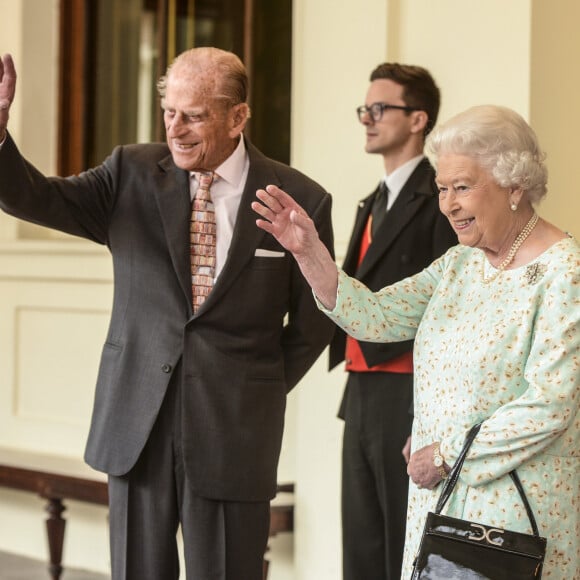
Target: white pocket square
268 253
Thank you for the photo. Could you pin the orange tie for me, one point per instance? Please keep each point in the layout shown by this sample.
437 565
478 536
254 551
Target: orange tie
202 241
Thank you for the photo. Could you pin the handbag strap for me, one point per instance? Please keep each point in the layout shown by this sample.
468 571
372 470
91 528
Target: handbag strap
516 479
451 481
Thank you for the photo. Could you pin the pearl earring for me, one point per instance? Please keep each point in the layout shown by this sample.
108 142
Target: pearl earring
514 206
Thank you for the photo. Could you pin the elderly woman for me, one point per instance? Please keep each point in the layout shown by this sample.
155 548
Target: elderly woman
496 323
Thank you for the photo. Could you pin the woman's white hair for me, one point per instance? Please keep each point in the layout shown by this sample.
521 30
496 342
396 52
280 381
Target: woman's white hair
500 141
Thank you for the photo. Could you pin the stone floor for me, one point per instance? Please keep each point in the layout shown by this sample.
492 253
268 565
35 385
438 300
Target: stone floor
13 567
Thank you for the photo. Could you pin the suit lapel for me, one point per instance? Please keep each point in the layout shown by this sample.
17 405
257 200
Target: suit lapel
174 204
416 192
353 250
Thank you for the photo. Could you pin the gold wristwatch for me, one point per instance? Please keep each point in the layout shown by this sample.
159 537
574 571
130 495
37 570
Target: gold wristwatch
438 462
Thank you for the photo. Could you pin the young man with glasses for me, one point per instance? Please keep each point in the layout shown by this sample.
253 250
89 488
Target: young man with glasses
398 231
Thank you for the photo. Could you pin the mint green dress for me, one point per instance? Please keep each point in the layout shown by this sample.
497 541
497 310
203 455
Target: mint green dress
506 352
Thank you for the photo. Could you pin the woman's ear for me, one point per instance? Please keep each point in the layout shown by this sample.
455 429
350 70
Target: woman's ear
515 197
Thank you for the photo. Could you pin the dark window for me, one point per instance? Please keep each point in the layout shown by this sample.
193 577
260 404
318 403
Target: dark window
112 54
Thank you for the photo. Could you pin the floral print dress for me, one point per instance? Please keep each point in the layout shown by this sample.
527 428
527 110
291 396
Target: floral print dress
506 352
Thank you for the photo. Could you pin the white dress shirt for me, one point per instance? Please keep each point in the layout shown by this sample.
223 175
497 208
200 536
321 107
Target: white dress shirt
396 180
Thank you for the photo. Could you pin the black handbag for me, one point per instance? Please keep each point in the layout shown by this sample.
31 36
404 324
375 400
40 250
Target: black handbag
455 549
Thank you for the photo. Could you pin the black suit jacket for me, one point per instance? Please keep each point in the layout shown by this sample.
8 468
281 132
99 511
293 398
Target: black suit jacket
253 339
412 235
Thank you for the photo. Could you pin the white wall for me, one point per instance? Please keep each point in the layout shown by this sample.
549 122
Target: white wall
478 50
336 45
554 114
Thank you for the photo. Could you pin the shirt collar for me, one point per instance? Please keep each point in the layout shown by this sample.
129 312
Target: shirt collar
233 168
397 179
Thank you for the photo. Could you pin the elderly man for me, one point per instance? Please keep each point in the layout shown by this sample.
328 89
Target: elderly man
212 322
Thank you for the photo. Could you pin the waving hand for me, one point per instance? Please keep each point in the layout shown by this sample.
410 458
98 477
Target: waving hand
7 90
290 225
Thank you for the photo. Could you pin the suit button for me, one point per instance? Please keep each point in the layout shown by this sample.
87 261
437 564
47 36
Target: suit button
166 368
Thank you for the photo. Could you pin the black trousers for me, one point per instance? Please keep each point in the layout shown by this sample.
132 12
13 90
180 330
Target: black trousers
377 413
222 540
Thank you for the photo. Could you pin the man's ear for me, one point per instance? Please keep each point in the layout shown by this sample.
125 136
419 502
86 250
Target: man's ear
239 116
419 120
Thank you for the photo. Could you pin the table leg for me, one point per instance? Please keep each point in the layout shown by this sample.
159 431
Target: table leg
55 525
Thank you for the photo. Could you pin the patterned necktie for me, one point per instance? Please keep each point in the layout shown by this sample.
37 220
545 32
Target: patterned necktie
379 209
202 241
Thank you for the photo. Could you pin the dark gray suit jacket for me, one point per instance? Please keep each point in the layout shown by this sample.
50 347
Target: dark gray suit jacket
412 235
253 339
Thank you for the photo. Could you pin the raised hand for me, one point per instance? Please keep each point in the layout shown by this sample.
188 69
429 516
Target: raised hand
291 226
285 220
7 90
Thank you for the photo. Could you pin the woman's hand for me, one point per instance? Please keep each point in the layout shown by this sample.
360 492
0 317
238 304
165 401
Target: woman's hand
295 231
285 220
422 470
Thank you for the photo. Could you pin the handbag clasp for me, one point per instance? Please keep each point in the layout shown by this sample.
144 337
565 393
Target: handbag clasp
486 535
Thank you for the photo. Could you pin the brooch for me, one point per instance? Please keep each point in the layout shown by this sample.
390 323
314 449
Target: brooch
534 272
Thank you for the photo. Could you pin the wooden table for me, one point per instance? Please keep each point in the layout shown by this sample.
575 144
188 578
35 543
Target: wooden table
56 479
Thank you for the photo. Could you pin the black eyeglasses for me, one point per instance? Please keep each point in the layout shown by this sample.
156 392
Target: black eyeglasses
376 110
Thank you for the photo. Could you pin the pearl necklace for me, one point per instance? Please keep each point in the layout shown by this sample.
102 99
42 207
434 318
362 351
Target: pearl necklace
522 237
